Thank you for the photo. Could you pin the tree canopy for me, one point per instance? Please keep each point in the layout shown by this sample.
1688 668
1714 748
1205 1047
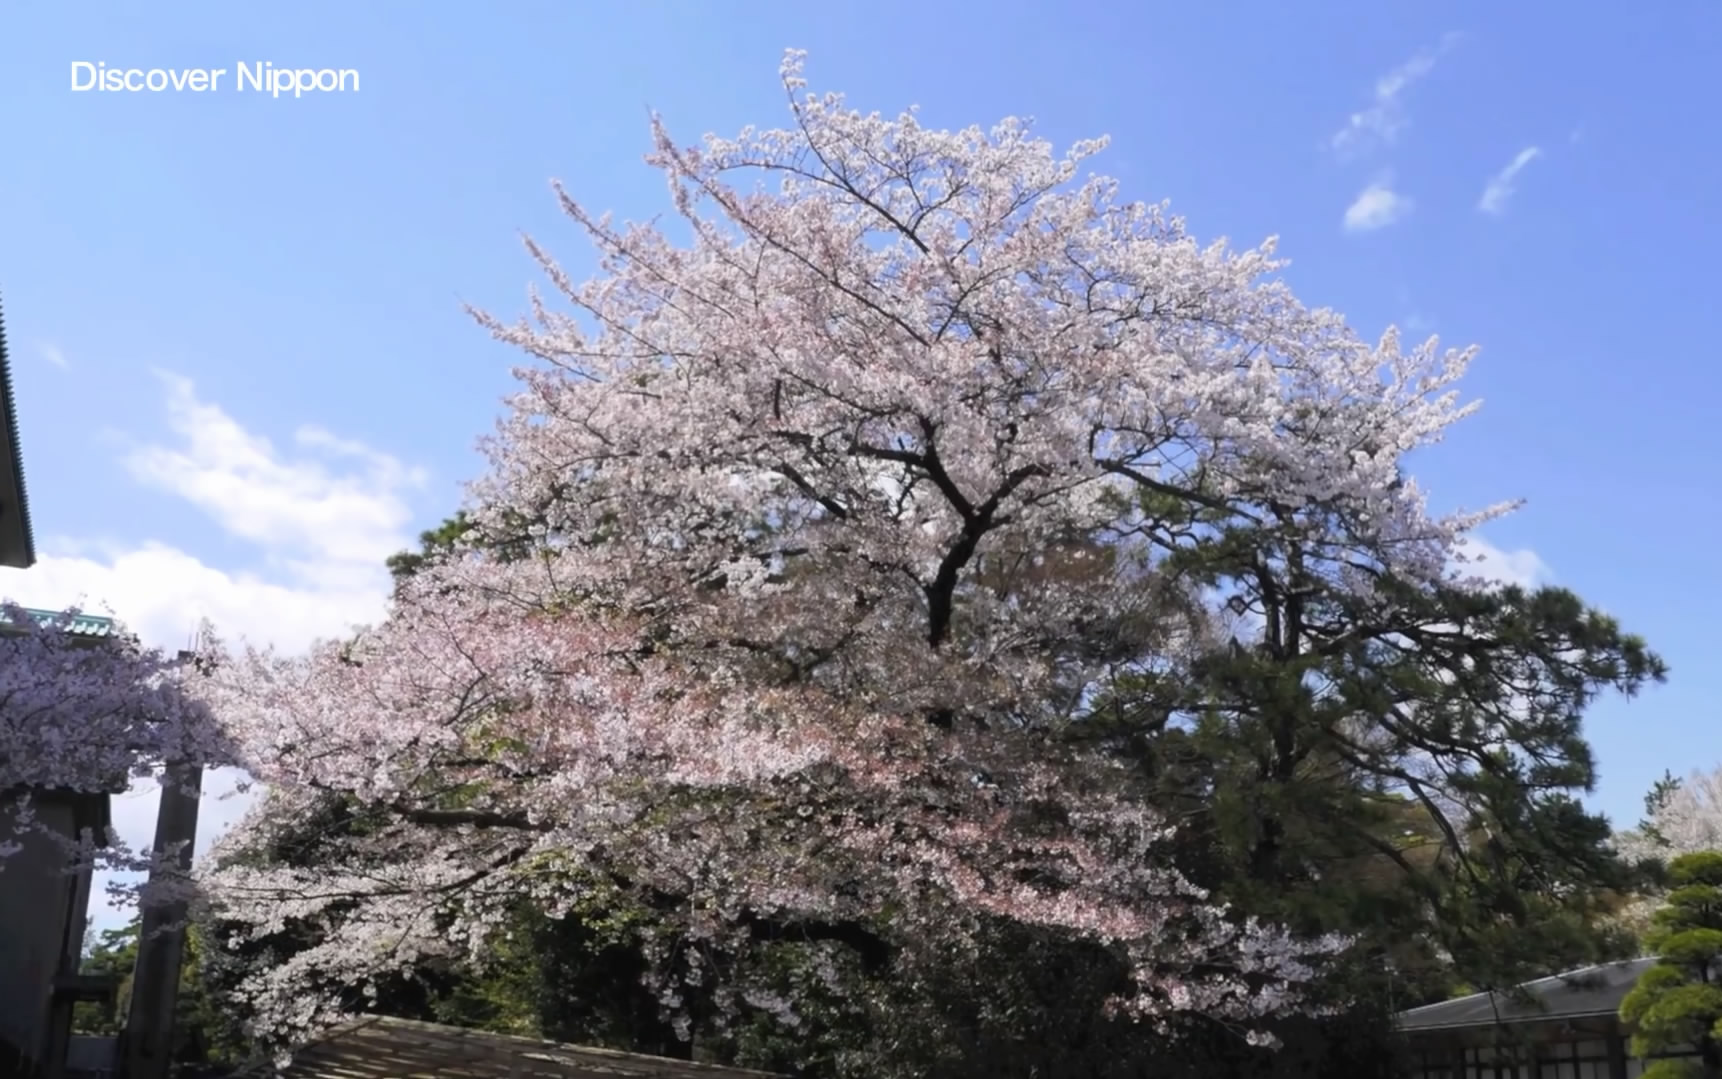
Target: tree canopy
930 560
1677 1004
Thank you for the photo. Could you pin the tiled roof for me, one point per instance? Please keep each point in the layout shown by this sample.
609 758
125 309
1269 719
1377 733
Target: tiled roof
84 625
1588 991
17 545
380 1048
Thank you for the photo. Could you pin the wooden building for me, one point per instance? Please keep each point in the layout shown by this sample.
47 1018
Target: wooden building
44 906
1566 1026
43 901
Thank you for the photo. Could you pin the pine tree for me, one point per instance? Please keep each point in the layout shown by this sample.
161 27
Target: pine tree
1678 1002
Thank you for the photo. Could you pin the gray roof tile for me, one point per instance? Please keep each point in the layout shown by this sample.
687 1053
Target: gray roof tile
1588 991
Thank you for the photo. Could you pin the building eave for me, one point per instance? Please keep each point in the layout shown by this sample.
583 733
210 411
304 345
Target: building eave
1586 993
17 545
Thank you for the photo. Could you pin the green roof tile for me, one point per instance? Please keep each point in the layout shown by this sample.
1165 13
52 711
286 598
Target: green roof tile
84 625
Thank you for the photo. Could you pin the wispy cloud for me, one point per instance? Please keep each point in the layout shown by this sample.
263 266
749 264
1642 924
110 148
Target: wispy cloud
1415 319
51 352
308 517
1523 567
1385 117
1376 207
1499 190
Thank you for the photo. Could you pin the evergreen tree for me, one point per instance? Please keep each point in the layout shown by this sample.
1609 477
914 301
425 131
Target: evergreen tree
1404 768
1678 1002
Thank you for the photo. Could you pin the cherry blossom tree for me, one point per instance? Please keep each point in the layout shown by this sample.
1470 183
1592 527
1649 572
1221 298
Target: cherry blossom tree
1683 816
89 715
755 623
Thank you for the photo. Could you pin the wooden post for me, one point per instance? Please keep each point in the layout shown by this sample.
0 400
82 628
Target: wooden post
1617 1055
77 901
148 1048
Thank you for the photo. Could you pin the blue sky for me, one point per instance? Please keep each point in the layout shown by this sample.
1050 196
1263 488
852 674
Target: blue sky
245 375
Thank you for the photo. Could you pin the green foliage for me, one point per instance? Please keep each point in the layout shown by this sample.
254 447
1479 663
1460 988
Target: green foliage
113 955
433 543
516 537
203 1037
1673 1069
1445 833
1678 1002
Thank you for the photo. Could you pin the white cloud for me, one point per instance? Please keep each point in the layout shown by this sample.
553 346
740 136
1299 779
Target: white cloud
294 509
51 352
1501 186
162 593
1385 117
1376 207
321 520
1522 567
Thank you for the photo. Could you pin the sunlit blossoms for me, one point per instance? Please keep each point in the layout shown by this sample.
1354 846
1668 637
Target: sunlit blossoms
801 552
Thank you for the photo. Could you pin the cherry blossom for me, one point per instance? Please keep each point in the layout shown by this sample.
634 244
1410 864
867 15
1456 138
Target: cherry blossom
1687 820
90 715
809 533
